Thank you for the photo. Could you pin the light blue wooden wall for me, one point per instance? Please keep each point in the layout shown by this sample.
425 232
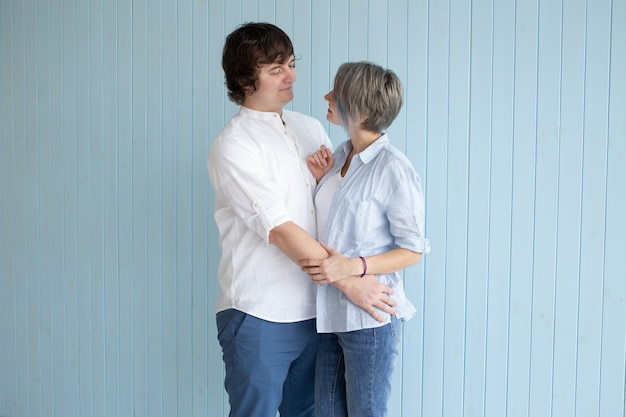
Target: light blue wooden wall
515 117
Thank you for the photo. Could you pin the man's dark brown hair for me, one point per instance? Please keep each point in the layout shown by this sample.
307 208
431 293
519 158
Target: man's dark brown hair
246 49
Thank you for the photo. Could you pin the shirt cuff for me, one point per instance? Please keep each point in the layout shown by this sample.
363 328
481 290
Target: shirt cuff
268 219
419 244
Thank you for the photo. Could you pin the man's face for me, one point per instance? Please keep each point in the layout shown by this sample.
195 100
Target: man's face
273 89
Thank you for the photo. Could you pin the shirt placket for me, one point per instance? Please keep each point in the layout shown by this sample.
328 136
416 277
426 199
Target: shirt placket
291 139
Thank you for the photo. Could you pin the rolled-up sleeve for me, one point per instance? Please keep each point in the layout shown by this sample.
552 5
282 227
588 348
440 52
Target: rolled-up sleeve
406 210
239 177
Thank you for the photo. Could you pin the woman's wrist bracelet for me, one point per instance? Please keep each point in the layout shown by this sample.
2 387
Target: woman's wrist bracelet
364 266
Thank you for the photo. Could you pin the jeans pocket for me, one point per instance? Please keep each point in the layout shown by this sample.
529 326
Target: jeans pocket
229 322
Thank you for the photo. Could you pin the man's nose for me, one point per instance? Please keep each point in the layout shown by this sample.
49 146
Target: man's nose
290 74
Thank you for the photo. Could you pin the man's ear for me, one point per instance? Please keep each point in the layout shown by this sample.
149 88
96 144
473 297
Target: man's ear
249 90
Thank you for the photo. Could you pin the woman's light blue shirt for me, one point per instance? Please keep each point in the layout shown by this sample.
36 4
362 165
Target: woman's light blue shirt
378 206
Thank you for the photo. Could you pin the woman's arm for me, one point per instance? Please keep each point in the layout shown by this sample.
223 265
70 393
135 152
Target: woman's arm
320 162
336 266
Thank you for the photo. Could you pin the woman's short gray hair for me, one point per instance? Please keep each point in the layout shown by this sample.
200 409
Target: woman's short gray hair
367 95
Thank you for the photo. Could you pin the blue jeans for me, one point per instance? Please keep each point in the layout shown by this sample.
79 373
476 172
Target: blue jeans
269 366
354 369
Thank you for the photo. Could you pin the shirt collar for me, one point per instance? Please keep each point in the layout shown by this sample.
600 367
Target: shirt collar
374 149
260 115
369 153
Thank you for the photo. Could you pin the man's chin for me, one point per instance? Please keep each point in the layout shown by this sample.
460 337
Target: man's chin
287 98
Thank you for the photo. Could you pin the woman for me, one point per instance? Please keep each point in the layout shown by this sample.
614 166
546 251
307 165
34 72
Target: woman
370 210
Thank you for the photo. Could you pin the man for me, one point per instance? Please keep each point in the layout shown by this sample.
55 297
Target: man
265 215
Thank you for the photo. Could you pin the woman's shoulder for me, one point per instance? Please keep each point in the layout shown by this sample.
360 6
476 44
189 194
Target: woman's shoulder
394 158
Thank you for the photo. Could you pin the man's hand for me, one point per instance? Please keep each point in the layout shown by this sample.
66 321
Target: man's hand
369 294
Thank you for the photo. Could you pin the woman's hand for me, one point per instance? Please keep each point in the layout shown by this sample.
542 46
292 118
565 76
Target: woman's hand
344 273
320 162
331 269
369 294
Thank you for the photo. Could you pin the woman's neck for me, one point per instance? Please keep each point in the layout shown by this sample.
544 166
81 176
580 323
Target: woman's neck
361 140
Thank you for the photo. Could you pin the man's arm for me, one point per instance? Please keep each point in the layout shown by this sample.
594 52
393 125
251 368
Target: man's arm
366 292
295 242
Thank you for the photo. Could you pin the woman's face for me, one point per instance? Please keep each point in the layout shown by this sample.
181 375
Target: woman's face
332 115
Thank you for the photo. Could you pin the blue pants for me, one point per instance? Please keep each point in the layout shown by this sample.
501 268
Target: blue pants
270 366
354 370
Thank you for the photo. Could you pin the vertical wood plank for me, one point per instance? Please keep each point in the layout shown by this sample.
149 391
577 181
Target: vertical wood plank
302 38
378 33
56 42
46 221
83 128
358 34
217 99
5 242
500 210
154 217
479 172
30 175
96 206
613 367
546 206
70 212
416 126
522 231
201 309
184 209
139 227
319 58
569 209
339 51
111 204
20 219
125 195
8 264
395 39
457 207
593 215
613 354
436 206
169 207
